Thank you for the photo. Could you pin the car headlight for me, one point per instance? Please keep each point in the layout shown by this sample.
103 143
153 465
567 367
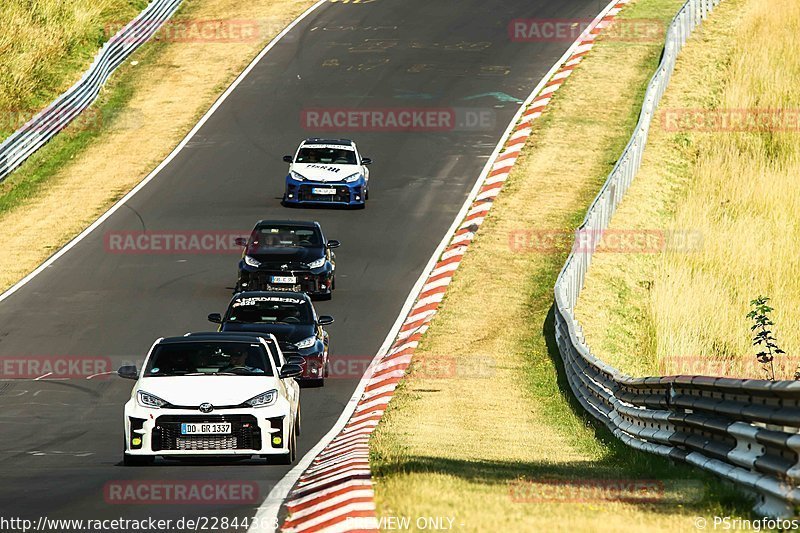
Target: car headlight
297 176
306 343
146 399
318 263
264 399
252 262
353 177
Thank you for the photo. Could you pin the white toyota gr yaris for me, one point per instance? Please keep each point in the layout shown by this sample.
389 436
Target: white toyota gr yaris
213 394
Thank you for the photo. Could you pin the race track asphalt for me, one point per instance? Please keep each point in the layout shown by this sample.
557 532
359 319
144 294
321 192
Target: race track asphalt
60 440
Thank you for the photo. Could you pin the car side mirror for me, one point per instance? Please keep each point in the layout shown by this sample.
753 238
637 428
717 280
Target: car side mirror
290 371
240 241
216 318
288 159
366 161
334 244
325 320
128 372
294 360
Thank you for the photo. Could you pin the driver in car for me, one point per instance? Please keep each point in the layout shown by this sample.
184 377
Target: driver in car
239 361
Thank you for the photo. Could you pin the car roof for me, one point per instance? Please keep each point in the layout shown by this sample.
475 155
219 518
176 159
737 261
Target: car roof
240 337
270 294
298 223
317 140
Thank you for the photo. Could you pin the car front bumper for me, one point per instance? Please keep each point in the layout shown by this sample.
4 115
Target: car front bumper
316 282
263 431
307 192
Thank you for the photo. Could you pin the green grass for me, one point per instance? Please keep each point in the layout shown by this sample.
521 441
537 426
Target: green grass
39 169
46 45
453 447
735 189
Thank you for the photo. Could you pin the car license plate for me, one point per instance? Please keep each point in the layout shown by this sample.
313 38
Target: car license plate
284 279
206 429
322 190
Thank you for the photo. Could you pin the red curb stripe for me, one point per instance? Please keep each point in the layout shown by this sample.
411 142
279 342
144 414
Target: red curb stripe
322 512
325 473
384 383
310 503
341 518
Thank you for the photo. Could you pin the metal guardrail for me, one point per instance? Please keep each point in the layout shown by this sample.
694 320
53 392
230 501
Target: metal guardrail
745 431
46 124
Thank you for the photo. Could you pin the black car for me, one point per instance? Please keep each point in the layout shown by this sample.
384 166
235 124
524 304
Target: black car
291 318
283 255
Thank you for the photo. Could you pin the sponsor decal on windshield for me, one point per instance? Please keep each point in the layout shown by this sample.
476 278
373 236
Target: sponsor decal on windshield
256 299
325 167
334 146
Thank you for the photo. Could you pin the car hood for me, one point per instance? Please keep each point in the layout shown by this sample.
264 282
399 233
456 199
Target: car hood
216 390
282 332
325 173
287 255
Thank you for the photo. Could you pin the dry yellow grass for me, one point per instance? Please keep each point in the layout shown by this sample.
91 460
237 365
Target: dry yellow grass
45 45
454 445
168 97
678 312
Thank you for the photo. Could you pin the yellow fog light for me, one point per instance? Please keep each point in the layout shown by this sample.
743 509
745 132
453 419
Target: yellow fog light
136 441
277 441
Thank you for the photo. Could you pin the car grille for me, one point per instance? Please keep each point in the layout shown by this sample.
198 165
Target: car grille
245 433
206 442
342 194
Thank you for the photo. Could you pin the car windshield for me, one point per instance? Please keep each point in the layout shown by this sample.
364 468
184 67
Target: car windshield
326 156
284 236
208 358
270 310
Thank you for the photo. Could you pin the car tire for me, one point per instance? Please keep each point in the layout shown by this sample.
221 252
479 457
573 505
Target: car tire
297 422
137 460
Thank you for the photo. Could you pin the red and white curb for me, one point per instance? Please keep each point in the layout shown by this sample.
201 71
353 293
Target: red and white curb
335 492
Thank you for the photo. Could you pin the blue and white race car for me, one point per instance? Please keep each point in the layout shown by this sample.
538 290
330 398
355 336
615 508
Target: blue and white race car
325 171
